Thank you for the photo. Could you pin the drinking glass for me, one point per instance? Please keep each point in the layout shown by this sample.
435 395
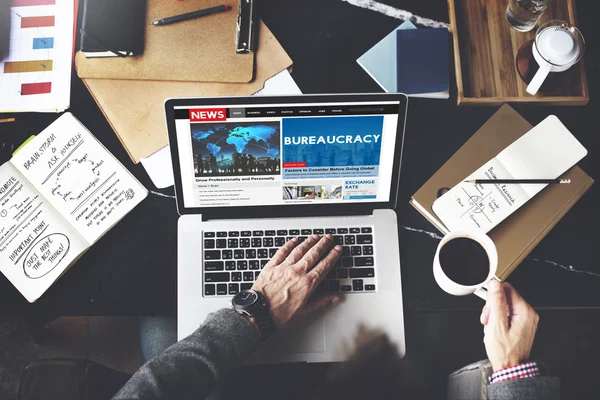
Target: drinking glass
522 15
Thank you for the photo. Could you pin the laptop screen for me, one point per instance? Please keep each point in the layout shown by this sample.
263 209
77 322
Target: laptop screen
280 154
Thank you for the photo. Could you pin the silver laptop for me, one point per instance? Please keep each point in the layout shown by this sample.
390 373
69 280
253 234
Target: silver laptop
253 172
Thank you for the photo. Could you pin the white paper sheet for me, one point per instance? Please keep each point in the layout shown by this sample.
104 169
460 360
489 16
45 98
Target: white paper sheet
159 168
280 84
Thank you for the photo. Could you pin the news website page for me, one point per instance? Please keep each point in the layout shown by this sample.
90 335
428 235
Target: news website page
286 154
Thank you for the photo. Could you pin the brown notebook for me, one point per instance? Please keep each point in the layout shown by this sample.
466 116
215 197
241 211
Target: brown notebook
200 49
517 235
135 109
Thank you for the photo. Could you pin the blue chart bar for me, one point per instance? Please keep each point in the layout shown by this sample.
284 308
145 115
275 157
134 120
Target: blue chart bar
43 43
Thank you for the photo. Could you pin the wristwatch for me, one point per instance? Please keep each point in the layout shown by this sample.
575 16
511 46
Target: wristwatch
254 304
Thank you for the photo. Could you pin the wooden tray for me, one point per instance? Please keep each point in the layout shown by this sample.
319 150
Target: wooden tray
485 50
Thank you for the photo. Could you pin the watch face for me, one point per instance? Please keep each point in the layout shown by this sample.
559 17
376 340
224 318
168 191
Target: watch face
245 298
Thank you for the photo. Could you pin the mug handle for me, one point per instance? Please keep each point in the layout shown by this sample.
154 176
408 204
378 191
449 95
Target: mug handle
481 293
539 78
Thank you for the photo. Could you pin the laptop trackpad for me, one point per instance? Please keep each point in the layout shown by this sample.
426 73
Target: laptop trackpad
303 339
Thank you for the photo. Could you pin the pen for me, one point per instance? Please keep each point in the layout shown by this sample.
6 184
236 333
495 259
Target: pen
521 181
193 14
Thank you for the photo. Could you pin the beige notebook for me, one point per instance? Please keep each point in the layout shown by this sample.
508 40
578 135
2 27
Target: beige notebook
200 49
520 232
135 109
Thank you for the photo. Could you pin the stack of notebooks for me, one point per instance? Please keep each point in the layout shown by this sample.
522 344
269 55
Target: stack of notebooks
411 61
517 235
187 59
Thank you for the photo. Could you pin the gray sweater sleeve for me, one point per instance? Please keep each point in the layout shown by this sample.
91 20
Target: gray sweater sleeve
541 387
189 368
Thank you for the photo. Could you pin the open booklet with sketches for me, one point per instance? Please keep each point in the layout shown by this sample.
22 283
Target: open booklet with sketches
545 152
58 195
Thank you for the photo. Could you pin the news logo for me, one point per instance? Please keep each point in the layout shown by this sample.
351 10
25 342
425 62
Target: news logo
208 114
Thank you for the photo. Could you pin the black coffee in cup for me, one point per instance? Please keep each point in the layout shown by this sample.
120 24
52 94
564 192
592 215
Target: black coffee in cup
465 261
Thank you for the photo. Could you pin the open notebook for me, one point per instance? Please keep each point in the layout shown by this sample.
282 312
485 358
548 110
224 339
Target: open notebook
59 194
545 152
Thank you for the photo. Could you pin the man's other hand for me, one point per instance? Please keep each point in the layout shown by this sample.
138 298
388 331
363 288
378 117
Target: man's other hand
509 326
294 273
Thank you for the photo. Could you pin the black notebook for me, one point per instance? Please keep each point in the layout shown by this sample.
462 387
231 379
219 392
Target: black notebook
423 62
113 28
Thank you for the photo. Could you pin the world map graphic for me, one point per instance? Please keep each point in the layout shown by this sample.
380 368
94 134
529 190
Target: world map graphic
260 140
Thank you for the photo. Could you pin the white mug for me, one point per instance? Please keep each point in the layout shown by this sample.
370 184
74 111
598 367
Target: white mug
558 45
456 289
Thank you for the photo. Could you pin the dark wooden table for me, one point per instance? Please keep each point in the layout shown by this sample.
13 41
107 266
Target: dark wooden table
132 270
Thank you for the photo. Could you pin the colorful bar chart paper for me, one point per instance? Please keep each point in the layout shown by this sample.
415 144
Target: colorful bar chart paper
31 3
15 67
28 89
37 22
43 43
36 73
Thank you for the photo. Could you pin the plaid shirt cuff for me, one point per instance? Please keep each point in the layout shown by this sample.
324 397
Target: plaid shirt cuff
525 370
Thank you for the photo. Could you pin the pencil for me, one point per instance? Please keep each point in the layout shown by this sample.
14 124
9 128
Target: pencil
193 14
520 181
7 120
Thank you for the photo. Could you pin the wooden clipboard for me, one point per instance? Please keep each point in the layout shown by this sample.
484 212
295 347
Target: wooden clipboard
135 109
200 50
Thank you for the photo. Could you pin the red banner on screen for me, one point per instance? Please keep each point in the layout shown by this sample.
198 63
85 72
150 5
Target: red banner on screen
208 114
298 164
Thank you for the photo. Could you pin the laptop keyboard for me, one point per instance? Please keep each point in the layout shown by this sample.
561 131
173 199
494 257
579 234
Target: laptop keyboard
233 259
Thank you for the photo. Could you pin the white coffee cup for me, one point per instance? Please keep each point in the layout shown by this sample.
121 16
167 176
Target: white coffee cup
557 47
454 288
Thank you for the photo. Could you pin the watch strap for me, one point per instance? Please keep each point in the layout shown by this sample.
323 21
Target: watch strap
259 312
264 321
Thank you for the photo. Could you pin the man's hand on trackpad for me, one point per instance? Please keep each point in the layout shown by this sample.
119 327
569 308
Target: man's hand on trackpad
293 274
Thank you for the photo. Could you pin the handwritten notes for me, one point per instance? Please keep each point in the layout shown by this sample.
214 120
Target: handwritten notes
481 206
58 195
545 152
36 243
79 178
